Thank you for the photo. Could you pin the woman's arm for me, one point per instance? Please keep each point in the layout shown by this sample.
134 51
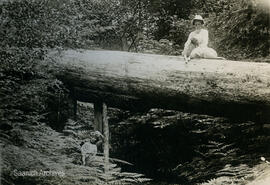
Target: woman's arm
185 52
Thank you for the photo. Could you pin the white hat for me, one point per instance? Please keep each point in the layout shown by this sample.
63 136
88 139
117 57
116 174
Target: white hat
198 18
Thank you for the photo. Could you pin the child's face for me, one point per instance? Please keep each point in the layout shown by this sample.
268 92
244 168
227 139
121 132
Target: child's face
198 25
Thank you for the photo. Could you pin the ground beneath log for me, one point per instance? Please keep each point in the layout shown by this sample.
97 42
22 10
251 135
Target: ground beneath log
37 154
39 148
181 148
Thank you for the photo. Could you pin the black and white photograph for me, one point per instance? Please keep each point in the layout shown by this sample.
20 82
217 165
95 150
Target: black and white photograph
134 92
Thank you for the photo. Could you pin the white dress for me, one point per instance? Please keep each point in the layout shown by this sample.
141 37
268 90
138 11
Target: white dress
88 150
201 50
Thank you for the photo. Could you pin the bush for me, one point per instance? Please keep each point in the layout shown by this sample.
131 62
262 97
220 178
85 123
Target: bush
241 31
35 24
162 47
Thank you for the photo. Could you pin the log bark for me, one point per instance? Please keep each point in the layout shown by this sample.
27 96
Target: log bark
239 90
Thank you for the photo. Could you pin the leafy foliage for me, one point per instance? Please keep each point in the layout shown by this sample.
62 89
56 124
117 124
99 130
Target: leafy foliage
27 93
165 11
241 174
238 29
115 176
241 30
47 24
188 148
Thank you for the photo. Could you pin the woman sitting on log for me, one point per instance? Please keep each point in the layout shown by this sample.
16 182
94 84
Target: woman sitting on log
196 45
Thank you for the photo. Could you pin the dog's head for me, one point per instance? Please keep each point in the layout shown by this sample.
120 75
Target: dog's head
194 41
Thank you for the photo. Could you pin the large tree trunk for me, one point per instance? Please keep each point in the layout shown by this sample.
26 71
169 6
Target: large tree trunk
239 90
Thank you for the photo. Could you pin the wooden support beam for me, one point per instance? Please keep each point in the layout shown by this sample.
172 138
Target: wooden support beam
106 138
101 124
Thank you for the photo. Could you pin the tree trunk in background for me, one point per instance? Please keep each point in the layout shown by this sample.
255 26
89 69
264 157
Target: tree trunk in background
134 81
124 43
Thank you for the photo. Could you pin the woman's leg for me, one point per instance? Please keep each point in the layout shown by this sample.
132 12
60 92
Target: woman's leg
203 52
196 53
209 53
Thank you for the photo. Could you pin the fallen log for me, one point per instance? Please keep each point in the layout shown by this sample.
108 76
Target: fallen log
239 90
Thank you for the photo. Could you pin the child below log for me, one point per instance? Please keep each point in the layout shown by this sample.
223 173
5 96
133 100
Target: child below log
89 146
196 45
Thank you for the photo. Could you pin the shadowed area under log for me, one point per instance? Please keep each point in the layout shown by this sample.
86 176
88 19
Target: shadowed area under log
239 90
